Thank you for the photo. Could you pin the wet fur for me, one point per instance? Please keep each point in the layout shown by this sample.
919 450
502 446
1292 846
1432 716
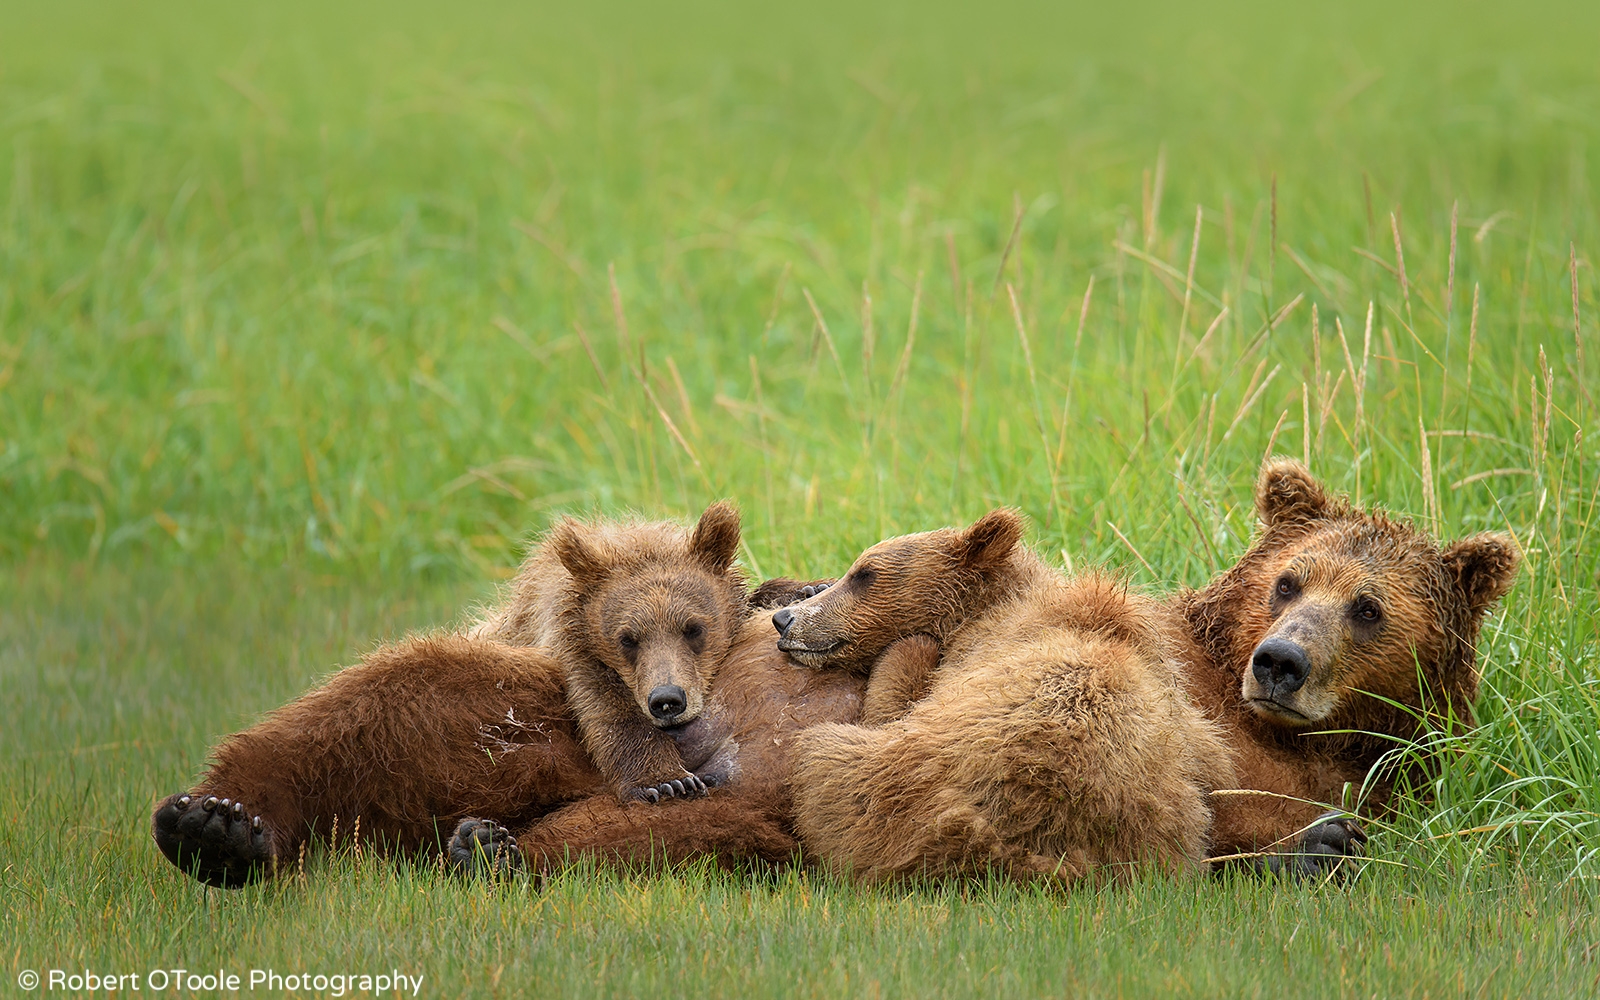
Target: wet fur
1434 600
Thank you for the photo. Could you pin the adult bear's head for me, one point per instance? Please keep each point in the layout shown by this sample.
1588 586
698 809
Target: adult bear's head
1342 618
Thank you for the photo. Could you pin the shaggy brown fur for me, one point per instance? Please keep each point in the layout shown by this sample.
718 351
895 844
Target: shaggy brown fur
1298 650
640 615
424 736
762 699
395 750
1053 739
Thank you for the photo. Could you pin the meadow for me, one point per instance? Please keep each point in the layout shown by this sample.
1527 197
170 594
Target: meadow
311 316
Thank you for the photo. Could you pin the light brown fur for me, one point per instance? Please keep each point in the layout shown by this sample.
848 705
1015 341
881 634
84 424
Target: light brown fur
634 612
1053 739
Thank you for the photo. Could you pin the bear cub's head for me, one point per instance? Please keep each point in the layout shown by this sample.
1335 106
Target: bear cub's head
1342 603
926 583
655 604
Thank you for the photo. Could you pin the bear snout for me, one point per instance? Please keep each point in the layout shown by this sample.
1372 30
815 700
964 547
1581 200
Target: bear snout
1280 665
781 620
667 702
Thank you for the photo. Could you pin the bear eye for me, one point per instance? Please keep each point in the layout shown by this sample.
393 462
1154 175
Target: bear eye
628 642
693 631
1285 587
1368 611
863 576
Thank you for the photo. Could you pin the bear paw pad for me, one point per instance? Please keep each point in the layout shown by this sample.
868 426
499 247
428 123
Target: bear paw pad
1325 846
217 840
482 848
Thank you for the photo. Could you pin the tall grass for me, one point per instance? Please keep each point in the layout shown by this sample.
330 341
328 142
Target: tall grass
300 303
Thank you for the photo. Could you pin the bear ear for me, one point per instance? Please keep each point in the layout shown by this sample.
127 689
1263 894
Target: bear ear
1483 568
716 538
990 539
1287 494
572 546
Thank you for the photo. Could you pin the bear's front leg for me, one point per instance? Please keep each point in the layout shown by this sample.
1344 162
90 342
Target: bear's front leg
899 679
639 759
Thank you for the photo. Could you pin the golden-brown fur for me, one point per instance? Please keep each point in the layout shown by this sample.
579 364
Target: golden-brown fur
1383 620
1053 740
425 733
639 615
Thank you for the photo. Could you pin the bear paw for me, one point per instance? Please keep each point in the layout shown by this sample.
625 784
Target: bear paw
780 592
217 840
1323 848
482 848
686 787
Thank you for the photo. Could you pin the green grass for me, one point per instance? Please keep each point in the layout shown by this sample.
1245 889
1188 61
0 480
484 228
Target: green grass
308 320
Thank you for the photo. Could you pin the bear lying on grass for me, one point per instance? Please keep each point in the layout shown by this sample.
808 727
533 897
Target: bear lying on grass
1054 739
1339 637
425 736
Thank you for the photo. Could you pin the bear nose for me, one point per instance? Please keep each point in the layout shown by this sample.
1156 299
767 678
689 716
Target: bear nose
1281 664
781 620
667 701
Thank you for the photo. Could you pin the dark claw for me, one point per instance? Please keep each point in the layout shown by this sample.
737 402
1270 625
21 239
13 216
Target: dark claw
255 824
209 804
651 795
183 802
224 804
677 786
238 811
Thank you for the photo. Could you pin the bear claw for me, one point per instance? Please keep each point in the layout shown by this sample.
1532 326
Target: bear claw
482 848
214 839
687 787
1325 846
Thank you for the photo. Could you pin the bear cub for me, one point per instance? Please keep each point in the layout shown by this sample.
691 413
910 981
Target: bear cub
640 615
1016 719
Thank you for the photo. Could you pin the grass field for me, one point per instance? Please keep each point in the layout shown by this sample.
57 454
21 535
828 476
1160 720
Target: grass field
310 315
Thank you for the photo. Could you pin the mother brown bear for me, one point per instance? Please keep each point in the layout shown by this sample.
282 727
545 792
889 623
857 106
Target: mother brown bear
1339 638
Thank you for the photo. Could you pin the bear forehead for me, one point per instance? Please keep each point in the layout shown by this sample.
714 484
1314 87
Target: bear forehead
1364 555
660 594
906 548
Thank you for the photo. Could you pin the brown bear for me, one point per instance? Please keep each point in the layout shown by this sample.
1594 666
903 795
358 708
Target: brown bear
761 700
394 750
1053 740
639 615
1341 636
426 735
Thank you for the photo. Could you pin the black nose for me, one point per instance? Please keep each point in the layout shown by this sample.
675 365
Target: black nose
781 620
1281 664
668 701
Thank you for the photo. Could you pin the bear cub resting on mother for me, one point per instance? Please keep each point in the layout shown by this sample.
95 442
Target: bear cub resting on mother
1341 636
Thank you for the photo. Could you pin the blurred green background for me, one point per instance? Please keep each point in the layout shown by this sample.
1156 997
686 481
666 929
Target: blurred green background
312 314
